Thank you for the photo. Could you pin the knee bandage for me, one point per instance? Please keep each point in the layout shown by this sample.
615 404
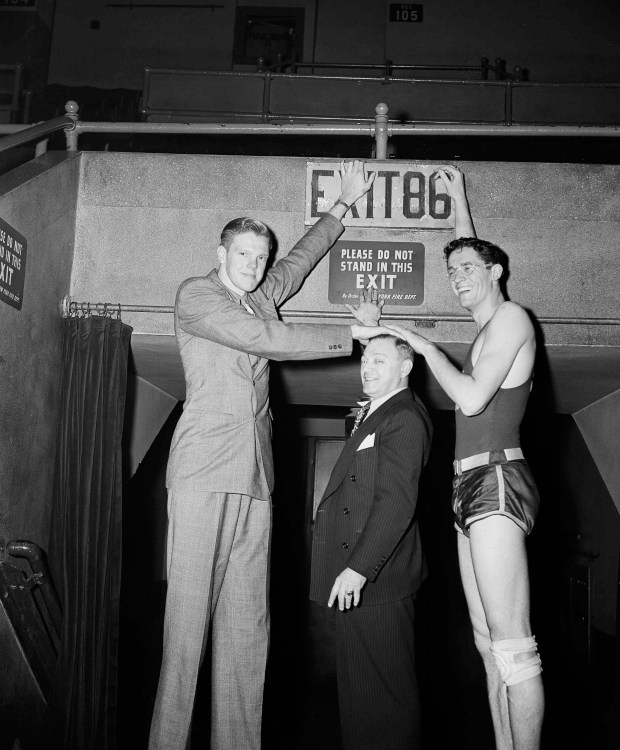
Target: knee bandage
517 659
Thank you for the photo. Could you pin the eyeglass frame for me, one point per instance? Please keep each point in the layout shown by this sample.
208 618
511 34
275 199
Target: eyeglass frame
452 272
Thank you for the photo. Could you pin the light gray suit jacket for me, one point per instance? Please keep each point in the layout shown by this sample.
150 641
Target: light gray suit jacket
222 442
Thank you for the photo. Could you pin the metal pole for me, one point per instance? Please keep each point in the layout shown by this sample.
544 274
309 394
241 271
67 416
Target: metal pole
266 106
500 129
381 131
508 103
71 108
354 127
19 69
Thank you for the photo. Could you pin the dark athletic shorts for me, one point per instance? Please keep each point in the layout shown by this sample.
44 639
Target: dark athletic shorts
500 489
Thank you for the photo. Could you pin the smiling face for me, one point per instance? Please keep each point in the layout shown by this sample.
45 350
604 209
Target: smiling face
382 368
242 266
474 287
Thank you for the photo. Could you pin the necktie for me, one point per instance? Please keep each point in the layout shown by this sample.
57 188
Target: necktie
247 307
359 417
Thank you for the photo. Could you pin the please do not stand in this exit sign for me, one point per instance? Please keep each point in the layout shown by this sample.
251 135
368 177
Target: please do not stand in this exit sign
394 270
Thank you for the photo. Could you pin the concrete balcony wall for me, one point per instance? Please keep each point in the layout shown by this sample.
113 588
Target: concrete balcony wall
145 222
38 200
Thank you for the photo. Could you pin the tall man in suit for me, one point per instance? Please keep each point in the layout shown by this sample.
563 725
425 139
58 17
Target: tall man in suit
220 471
367 557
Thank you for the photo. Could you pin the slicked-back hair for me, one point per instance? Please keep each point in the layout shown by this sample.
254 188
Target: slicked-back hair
487 251
402 347
240 226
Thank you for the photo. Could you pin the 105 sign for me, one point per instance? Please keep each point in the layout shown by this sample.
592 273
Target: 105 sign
406 13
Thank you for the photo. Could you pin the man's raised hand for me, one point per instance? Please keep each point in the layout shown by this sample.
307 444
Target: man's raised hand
368 311
453 179
353 184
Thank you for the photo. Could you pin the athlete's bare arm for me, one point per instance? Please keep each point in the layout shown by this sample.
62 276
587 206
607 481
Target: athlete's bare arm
503 356
454 180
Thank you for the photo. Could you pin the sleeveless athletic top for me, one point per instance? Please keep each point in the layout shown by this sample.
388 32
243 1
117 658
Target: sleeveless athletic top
497 426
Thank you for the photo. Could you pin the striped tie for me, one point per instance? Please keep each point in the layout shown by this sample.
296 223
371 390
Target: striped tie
359 417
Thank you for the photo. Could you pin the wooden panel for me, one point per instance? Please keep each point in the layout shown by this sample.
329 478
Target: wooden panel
190 91
598 424
407 100
591 104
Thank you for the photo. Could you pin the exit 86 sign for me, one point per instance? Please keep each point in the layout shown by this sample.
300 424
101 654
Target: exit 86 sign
402 196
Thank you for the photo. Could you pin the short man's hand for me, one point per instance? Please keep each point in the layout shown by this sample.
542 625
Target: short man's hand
453 179
346 589
368 311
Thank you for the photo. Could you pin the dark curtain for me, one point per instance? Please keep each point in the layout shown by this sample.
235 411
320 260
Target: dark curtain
85 537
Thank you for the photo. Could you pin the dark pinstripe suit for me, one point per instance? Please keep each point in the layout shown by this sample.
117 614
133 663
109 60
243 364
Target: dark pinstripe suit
366 521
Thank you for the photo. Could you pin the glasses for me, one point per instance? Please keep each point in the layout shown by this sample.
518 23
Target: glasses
466 269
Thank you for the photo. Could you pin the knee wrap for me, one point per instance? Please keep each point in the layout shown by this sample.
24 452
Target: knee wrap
517 659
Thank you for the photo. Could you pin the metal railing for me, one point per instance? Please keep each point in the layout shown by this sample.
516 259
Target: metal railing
22 135
223 96
388 68
380 129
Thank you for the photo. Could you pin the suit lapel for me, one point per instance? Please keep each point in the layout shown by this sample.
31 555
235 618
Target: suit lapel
262 309
367 427
265 305
344 461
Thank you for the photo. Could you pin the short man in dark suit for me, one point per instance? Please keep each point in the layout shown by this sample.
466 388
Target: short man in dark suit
367 557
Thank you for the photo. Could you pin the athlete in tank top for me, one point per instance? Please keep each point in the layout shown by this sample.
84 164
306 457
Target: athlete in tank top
492 490
497 426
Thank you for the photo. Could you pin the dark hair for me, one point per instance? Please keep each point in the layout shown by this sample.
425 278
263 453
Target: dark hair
487 251
244 224
404 349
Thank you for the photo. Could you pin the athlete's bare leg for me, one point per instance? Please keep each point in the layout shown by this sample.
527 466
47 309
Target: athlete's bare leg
493 563
498 702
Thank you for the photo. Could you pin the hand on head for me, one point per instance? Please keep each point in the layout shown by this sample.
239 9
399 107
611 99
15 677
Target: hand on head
416 342
364 333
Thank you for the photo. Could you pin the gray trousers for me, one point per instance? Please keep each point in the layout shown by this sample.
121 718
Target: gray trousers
218 567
